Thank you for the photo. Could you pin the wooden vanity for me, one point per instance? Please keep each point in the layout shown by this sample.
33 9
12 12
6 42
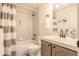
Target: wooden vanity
49 49
52 48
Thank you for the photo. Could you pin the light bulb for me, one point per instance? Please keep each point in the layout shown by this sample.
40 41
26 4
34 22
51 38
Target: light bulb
57 5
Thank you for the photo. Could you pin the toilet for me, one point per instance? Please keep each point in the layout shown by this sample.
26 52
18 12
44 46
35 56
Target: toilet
34 49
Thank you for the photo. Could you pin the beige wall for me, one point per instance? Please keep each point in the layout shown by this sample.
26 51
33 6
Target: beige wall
69 13
37 25
24 30
45 9
78 20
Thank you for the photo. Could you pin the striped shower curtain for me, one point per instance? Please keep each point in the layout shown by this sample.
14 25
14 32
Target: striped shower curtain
8 12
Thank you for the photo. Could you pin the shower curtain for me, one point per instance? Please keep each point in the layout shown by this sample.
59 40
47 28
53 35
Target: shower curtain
8 12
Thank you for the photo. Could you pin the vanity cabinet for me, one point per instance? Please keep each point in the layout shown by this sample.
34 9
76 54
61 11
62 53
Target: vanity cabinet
61 51
46 48
50 49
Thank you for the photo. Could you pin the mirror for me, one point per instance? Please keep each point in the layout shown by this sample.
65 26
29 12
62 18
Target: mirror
64 17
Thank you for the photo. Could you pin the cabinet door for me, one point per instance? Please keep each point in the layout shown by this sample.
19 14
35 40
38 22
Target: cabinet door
45 48
53 50
61 51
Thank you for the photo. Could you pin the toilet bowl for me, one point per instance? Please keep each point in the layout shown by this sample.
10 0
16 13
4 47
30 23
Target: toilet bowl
34 49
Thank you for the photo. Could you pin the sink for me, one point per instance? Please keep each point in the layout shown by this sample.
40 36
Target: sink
67 40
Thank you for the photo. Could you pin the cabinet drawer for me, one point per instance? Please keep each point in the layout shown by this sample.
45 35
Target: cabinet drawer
49 49
61 51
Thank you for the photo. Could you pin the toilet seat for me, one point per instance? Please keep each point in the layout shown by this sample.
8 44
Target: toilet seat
34 47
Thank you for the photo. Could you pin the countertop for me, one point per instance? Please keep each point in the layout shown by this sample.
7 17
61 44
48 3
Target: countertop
64 42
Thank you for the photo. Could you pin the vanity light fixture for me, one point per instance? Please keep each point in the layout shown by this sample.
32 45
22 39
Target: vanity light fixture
57 5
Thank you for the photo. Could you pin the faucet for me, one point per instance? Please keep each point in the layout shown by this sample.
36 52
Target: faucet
62 34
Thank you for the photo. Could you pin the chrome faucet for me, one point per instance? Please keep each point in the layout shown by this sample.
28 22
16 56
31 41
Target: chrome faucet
62 34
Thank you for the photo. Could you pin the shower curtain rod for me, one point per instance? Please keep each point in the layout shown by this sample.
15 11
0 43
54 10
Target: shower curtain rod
30 9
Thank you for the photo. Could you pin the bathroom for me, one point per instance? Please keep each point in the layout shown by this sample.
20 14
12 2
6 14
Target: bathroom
36 14
40 29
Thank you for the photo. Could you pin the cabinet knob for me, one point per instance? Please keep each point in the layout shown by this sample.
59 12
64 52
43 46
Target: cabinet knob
54 47
49 44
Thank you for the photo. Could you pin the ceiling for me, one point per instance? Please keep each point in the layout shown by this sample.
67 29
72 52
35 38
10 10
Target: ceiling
62 6
35 6
29 5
